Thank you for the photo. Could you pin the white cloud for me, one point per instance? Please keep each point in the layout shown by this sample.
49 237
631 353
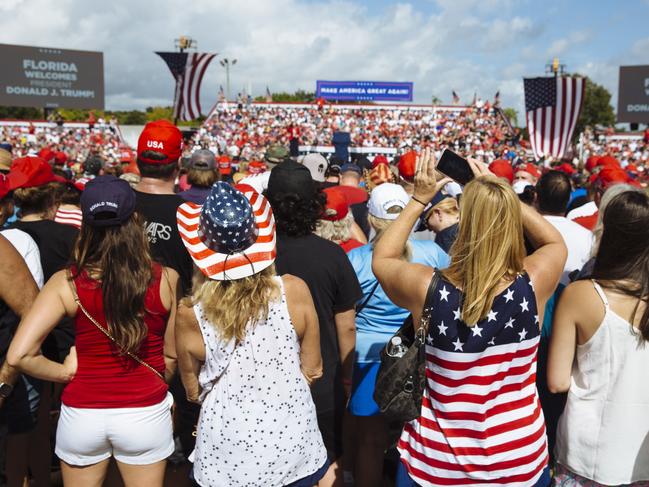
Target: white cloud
462 45
559 47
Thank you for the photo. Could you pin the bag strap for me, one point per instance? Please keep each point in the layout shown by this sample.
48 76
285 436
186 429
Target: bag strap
104 330
367 299
422 331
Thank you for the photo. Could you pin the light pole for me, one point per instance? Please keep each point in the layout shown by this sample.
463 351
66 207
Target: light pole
226 63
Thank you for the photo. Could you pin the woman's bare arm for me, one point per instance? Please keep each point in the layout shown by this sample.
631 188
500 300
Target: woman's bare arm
190 350
53 303
169 292
305 321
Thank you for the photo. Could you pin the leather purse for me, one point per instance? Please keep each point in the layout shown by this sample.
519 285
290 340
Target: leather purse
400 381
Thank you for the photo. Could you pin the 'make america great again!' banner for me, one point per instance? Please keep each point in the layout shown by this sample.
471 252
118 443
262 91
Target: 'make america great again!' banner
365 90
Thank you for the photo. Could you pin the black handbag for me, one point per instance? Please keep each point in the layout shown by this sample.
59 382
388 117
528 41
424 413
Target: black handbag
400 381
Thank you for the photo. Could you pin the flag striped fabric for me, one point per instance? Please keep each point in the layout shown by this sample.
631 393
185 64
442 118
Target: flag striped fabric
552 107
69 216
481 421
188 69
223 266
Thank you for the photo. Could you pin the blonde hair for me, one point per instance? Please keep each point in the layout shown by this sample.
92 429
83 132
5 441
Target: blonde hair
489 247
447 205
380 225
231 305
203 178
336 231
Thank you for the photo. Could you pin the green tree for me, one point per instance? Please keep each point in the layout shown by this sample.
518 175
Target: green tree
435 100
596 108
157 113
300 96
512 116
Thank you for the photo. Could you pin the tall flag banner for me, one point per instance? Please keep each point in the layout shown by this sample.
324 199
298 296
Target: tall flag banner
456 98
552 107
221 93
475 99
269 96
188 69
497 99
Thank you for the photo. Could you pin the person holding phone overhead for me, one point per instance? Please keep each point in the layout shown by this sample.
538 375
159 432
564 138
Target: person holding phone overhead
480 420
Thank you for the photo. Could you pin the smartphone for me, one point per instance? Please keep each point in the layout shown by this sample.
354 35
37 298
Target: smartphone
455 167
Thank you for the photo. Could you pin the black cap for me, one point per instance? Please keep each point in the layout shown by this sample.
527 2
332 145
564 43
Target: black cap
107 201
289 177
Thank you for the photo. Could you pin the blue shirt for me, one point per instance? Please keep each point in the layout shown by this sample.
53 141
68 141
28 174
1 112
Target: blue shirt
381 318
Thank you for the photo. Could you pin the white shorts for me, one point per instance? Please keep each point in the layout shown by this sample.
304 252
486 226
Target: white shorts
136 436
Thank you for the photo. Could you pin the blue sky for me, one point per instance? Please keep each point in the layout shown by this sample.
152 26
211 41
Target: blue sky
440 45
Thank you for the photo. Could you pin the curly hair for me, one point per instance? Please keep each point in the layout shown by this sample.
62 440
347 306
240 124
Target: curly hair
296 216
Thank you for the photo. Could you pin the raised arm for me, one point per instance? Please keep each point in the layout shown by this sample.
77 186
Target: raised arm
406 283
546 263
190 350
53 303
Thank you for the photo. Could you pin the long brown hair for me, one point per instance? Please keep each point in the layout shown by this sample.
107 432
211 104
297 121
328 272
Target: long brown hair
622 261
489 247
119 258
230 305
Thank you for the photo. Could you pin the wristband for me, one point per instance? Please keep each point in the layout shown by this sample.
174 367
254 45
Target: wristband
420 202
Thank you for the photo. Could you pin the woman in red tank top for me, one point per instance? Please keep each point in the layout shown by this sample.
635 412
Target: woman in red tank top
116 401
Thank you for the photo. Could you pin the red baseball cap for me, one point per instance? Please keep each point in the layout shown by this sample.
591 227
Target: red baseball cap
337 206
592 162
380 159
29 172
60 158
257 167
5 188
529 168
407 165
225 166
502 169
608 161
46 154
567 168
611 175
160 136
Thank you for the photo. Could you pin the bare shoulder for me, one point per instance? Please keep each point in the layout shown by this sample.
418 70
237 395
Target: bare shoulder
170 275
295 287
579 290
185 317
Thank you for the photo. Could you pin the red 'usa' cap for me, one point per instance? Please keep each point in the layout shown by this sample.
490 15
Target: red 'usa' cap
160 136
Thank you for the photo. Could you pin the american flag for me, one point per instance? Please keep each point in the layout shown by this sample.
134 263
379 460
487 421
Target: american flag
481 421
552 107
269 96
188 70
456 98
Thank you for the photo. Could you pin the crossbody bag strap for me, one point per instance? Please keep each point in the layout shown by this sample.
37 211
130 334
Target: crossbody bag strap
369 296
422 331
104 330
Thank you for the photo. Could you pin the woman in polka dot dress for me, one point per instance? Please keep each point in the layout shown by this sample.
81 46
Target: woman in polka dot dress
248 347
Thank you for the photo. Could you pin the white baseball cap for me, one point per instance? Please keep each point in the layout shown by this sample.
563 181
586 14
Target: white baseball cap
317 166
384 197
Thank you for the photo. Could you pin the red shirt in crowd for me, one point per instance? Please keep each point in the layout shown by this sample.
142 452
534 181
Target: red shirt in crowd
105 378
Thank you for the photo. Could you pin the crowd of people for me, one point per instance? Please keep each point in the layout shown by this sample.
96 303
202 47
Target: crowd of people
247 131
205 316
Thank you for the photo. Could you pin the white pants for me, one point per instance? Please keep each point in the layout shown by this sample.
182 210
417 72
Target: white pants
136 436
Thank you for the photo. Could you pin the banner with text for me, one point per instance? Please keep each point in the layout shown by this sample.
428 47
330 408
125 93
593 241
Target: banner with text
365 90
52 78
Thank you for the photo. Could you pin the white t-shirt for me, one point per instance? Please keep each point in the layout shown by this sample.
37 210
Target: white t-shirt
578 240
26 247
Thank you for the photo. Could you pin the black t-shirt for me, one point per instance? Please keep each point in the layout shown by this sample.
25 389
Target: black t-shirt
159 214
55 243
324 267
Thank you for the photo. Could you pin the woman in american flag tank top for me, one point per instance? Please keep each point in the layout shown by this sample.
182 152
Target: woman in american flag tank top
481 421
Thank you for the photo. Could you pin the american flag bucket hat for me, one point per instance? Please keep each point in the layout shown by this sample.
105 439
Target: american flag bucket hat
232 235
